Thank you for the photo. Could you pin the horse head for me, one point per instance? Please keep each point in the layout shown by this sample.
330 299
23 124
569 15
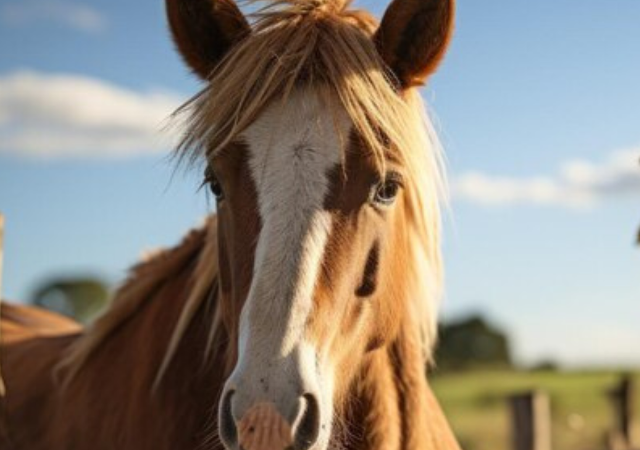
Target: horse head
326 176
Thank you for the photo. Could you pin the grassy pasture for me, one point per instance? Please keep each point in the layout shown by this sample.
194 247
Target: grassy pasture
476 404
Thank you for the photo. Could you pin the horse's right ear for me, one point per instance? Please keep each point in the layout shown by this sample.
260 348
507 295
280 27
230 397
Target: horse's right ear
205 30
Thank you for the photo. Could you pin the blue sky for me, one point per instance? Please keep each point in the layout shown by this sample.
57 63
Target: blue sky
538 105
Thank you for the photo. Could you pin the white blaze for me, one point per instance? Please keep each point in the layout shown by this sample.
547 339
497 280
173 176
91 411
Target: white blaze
293 148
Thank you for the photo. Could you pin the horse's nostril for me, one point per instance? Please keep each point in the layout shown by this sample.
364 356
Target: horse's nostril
307 431
227 425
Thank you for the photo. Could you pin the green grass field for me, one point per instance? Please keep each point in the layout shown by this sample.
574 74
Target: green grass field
476 404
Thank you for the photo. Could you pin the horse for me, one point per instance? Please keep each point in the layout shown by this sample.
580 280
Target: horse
312 290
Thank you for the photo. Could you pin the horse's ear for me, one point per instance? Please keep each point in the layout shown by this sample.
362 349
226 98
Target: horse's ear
204 30
413 37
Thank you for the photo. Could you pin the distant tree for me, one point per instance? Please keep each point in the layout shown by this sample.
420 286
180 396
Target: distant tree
545 365
472 343
79 298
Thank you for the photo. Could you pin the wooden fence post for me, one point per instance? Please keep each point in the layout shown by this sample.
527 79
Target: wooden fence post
622 397
531 421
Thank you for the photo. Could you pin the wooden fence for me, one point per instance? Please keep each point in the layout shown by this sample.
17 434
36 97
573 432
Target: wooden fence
531 419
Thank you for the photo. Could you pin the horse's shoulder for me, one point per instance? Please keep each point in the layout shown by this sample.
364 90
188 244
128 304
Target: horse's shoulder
32 343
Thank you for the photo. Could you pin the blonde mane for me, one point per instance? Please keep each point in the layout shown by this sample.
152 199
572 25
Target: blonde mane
199 246
313 44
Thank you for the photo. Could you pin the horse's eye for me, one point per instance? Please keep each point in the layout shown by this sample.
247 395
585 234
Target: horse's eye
386 191
215 187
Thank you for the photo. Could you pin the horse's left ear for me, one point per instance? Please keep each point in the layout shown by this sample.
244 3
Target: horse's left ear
413 37
205 30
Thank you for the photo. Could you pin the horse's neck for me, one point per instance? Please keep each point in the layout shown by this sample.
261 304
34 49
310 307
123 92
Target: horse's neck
395 408
120 376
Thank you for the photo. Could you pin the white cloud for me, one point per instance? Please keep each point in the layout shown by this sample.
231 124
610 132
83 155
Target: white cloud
577 184
54 116
75 15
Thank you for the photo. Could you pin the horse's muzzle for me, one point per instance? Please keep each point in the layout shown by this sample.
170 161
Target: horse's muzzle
266 426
